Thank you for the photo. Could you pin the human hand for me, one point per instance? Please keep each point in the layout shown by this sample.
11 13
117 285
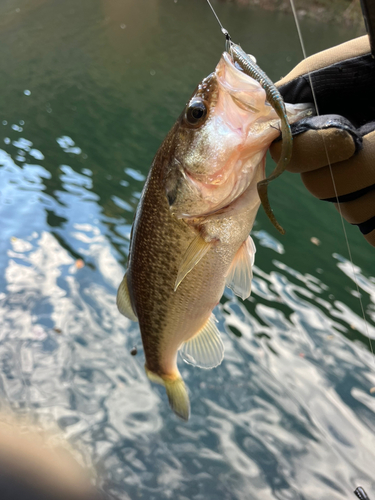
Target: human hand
343 135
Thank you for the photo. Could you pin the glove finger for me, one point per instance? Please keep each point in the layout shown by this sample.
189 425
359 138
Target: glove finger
370 237
310 149
361 212
353 177
342 78
328 121
348 50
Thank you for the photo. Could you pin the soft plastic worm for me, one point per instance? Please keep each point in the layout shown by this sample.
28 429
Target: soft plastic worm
249 67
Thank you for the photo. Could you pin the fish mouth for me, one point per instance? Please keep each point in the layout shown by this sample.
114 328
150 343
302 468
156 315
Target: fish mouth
240 103
244 90
227 153
230 142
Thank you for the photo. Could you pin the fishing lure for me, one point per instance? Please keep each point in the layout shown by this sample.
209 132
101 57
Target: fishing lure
249 67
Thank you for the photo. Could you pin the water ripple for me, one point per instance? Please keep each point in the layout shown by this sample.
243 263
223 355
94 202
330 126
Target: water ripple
290 412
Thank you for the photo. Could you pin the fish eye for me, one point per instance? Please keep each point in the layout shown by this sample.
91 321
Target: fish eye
196 112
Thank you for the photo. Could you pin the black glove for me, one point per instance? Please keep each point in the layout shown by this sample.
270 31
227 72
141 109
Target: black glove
343 79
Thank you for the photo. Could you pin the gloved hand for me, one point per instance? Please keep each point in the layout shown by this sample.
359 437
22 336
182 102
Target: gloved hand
343 80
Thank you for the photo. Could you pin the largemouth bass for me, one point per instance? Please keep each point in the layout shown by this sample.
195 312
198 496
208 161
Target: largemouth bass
190 236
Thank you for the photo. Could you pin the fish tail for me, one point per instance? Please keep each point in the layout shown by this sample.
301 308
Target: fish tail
178 397
176 391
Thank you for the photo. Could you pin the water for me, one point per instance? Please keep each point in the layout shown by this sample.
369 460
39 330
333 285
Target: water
89 90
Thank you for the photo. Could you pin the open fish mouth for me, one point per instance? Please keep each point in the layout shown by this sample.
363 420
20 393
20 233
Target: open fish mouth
222 157
247 94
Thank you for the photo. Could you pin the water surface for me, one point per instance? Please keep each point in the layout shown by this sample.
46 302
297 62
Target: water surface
89 90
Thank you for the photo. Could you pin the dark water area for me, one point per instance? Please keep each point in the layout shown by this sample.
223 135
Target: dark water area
89 90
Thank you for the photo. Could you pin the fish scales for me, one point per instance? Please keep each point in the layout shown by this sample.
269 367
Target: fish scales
158 245
190 236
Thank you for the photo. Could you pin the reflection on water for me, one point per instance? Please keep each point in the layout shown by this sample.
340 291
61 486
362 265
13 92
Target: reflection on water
290 409
290 412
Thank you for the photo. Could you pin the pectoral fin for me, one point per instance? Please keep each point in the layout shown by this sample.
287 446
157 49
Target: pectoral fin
194 253
123 301
206 348
240 272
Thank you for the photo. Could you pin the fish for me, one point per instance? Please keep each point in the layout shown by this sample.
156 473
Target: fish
191 232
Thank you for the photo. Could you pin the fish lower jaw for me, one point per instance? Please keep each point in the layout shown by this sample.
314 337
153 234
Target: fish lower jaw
211 197
204 197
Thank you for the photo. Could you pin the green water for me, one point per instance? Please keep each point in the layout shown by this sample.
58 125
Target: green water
89 90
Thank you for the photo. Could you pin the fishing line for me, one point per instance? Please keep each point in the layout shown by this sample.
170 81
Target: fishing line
225 32
333 180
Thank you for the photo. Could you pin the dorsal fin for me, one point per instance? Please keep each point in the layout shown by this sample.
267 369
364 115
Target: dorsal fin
123 301
206 348
194 253
240 272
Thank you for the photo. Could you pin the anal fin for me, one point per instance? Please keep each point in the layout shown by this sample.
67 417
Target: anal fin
205 349
123 301
194 253
240 272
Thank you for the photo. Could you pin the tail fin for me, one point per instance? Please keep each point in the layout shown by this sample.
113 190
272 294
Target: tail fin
178 397
176 392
